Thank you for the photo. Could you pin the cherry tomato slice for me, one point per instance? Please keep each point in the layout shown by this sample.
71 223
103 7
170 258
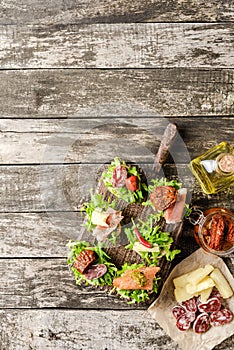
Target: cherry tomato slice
132 183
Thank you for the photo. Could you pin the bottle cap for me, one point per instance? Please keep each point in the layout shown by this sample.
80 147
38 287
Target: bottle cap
226 163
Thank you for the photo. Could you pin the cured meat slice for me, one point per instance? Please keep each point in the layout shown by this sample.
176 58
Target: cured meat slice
113 220
190 305
178 310
114 217
119 176
223 316
95 271
174 213
191 316
163 197
126 282
202 323
183 322
215 293
212 304
84 259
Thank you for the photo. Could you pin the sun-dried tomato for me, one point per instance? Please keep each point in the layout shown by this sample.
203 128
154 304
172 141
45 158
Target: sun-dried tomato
84 259
163 197
216 232
132 183
230 233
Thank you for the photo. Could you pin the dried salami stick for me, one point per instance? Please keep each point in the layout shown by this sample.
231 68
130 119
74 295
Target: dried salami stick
166 142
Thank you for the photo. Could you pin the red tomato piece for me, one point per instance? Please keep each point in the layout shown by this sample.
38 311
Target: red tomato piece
132 183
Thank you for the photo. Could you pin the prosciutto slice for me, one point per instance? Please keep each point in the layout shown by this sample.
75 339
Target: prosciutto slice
113 220
174 213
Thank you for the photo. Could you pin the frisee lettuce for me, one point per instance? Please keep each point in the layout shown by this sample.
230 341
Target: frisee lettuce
151 232
164 182
76 247
122 192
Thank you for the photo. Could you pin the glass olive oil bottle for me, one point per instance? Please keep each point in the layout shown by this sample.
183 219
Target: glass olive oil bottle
214 169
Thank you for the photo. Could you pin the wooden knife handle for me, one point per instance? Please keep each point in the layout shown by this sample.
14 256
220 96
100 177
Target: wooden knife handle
168 137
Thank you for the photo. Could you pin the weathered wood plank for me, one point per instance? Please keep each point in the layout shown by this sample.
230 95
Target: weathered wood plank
99 140
65 188
46 234
138 45
48 283
37 234
63 329
71 11
103 330
165 92
82 330
77 329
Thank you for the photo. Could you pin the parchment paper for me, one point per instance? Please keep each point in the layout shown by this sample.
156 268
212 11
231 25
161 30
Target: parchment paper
161 309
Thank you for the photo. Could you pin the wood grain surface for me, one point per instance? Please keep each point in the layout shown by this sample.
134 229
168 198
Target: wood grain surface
81 81
48 283
82 329
70 11
134 45
85 330
75 140
153 92
60 93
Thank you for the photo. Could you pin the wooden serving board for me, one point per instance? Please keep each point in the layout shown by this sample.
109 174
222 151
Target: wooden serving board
119 254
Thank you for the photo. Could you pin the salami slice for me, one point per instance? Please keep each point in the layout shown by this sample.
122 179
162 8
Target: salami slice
119 176
95 271
190 305
183 322
215 293
202 323
191 316
178 310
211 305
223 316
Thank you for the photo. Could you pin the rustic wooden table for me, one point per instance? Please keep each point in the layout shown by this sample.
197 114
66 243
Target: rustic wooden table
80 81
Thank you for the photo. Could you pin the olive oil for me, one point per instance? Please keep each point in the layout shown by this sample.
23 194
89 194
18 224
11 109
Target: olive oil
214 169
